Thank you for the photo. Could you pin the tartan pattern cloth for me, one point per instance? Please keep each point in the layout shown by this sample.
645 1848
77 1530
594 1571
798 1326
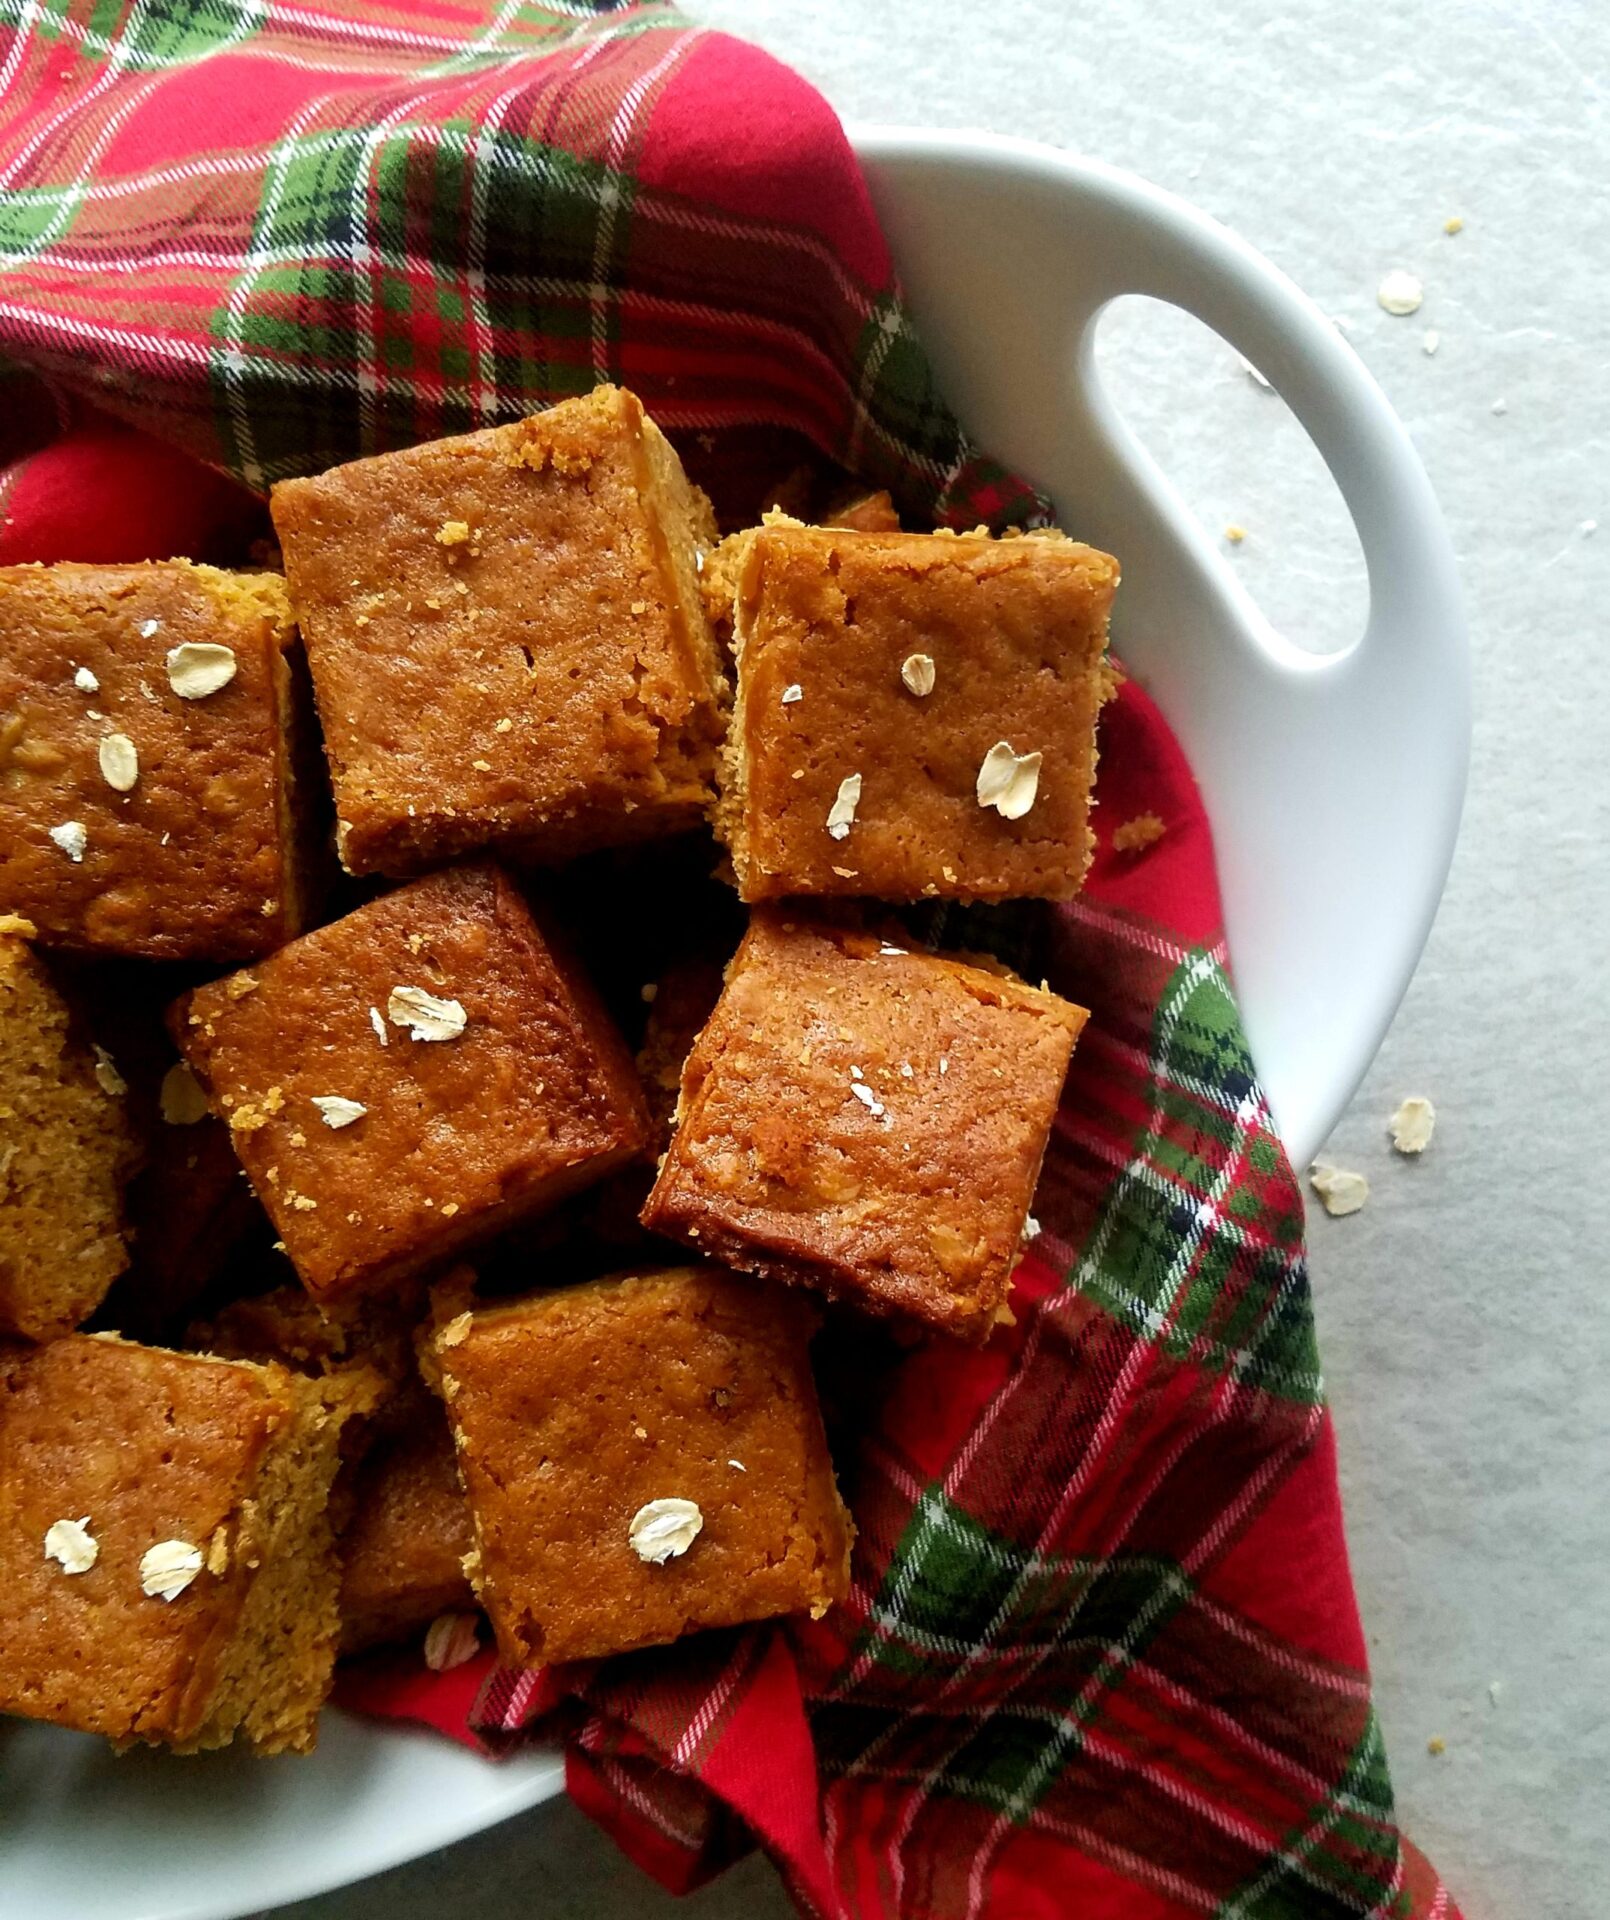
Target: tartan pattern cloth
1101 1654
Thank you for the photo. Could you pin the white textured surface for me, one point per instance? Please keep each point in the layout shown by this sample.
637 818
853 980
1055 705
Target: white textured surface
1463 1317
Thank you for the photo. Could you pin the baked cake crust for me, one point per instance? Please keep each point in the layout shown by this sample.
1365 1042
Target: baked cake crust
507 639
575 1410
867 1120
458 1135
201 856
896 662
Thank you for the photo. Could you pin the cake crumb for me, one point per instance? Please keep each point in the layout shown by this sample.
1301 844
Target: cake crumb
72 837
218 1552
1235 533
1452 225
168 1568
240 984
1413 1123
664 1530
180 1099
71 1544
1430 340
1436 1744
452 533
1342 1192
649 992
1143 831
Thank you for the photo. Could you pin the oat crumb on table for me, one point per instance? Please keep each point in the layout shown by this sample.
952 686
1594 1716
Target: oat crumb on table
1413 1124
1340 1190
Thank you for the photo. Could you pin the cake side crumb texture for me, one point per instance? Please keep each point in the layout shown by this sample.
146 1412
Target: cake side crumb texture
227 1461
66 1153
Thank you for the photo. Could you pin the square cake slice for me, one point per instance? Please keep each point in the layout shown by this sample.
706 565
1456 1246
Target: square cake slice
403 1552
644 1457
507 638
149 747
915 715
866 1120
167 1572
66 1153
413 1078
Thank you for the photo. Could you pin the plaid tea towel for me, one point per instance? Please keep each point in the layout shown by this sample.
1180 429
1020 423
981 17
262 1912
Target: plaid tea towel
1101 1654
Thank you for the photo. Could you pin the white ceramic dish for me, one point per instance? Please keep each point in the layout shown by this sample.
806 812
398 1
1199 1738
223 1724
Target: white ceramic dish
1334 785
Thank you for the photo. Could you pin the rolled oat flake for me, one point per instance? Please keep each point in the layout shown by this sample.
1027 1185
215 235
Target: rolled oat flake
120 762
168 1568
197 668
664 1529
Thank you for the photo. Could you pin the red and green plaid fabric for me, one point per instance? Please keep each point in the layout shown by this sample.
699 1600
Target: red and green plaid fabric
1101 1655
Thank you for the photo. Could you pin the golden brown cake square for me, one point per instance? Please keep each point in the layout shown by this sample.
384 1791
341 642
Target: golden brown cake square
167 1571
403 1552
66 1154
413 1078
644 1457
507 638
148 759
915 714
867 1120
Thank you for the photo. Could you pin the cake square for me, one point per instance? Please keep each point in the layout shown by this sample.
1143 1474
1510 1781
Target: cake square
644 1456
413 1078
167 1571
915 713
507 639
149 748
866 1120
403 1553
66 1154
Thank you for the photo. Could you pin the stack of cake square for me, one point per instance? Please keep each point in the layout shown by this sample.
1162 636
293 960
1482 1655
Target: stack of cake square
344 1428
